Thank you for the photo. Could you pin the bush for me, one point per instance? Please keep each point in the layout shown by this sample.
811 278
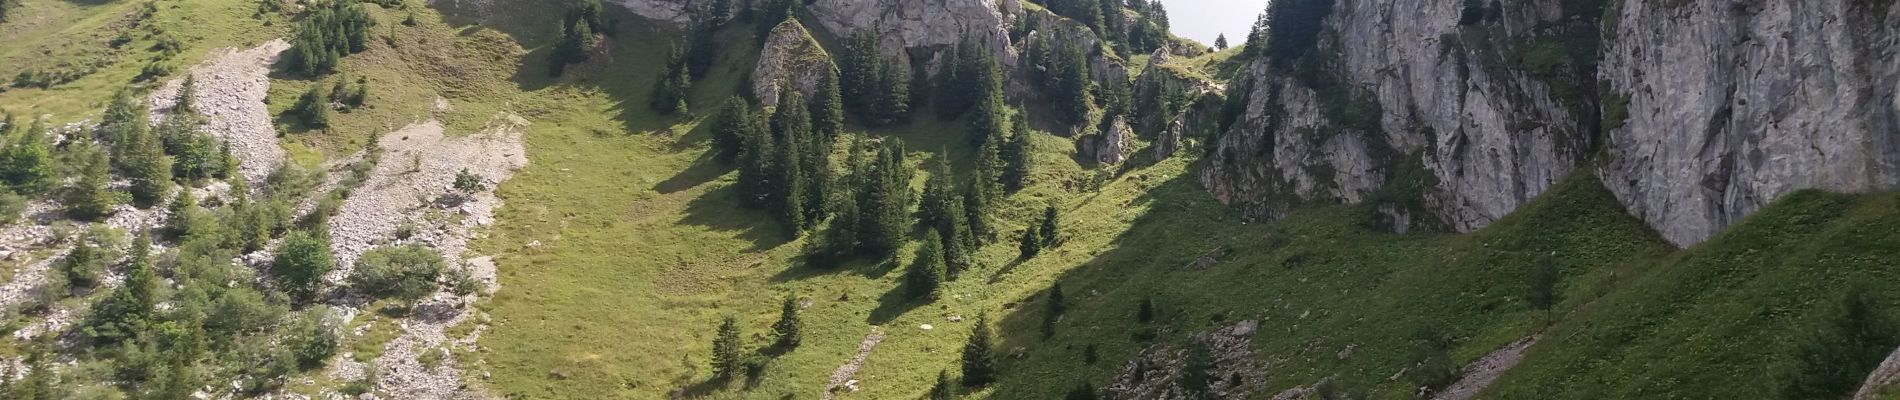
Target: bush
300 264
312 341
407 272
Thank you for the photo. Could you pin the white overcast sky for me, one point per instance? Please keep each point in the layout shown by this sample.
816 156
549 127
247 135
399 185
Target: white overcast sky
1202 20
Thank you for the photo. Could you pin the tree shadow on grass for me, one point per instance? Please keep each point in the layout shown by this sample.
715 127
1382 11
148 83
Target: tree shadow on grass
894 303
719 210
706 168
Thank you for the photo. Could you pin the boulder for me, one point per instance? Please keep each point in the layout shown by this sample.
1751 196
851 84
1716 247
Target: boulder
791 57
1108 147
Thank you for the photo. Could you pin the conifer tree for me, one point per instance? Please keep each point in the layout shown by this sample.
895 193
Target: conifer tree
726 349
1220 42
933 208
958 254
827 113
1030 244
26 164
860 70
884 202
312 108
183 212
1197 372
990 119
669 95
927 273
729 127
89 199
787 327
185 102
841 233
1050 227
979 362
125 313
791 129
989 168
756 162
148 167
123 118
1016 154
893 94
976 201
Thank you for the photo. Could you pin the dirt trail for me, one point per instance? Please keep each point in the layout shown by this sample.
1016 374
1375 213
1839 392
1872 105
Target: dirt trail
844 372
1480 374
410 193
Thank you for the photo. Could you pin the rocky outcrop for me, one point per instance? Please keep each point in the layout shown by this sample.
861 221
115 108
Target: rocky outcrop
1402 103
1731 105
791 57
1109 147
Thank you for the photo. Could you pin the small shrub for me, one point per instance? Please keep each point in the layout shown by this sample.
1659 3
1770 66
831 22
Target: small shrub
407 272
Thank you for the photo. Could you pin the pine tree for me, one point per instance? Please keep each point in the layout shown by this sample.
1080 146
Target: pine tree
943 390
726 348
841 234
186 103
183 212
927 273
976 204
989 167
791 129
990 120
148 167
89 199
1220 42
827 113
669 94
124 117
26 164
1030 244
301 262
1017 154
312 108
893 94
786 329
1543 287
933 208
860 70
1050 227
127 311
1052 310
756 162
1197 372
958 254
1082 391
884 202
729 127
979 362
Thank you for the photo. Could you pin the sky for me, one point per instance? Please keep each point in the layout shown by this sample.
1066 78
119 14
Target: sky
1202 20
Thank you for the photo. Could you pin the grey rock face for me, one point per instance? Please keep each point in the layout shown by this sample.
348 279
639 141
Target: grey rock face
1492 138
1108 147
1731 106
791 57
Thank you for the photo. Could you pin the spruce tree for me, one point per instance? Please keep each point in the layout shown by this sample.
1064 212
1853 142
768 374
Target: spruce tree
958 254
976 202
123 118
979 362
312 108
670 92
183 212
1543 287
927 273
1220 42
933 208
89 199
787 327
756 162
841 234
148 167
1016 154
1050 227
1853 335
989 168
1197 372
26 164
990 114
893 94
791 129
953 90
860 70
884 202
726 349
128 310
1031 243
729 127
827 113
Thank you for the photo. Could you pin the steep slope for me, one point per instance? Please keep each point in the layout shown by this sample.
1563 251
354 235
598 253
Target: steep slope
1718 109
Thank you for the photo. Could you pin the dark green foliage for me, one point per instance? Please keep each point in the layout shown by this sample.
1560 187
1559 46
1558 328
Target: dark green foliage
1051 228
407 273
884 199
933 207
1082 391
1432 366
704 33
924 280
1063 77
576 45
1198 373
89 199
1030 243
300 264
40 383
1294 27
6 8
730 127
827 110
1052 309
467 182
958 242
976 206
791 195
1145 312
26 163
893 94
943 390
979 358
669 95
787 327
1852 339
124 118
311 341
1220 42
313 108
726 362
195 155
840 239
85 265
776 12
1017 154
128 310
859 69
1088 12
989 119
327 33
149 169
1543 285
968 74
757 160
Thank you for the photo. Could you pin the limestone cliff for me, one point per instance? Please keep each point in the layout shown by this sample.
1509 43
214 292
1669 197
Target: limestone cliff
790 57
1697 112
1730 105
1411 104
